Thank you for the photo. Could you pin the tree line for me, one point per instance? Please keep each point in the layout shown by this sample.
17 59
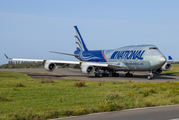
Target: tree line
18 64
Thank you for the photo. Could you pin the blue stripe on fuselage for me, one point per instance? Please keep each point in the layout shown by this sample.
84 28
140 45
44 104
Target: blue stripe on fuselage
97 56
91 56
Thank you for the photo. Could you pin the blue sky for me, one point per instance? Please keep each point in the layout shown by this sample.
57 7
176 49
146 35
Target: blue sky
29 29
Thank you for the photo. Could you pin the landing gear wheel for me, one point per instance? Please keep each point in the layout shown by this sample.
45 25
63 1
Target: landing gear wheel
105 74
97 75
150 77
126 75
129 74
115 74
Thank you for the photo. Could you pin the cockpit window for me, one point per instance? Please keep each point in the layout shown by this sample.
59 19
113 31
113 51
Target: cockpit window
153 48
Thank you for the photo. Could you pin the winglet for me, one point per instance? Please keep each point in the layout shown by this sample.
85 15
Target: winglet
7 56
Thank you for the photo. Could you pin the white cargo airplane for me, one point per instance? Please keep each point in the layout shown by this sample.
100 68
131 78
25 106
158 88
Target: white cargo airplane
105 62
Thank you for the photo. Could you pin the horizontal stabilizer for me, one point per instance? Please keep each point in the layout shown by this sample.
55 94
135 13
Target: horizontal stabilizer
64 53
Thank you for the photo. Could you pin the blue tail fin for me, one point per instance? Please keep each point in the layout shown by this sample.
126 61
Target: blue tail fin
170 58
80 45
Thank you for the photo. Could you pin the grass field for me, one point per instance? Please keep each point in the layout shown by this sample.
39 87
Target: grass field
24 98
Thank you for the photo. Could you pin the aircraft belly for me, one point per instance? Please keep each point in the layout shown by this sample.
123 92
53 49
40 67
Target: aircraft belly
138 65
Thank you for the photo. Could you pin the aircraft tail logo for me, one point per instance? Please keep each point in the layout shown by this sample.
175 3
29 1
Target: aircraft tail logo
80 45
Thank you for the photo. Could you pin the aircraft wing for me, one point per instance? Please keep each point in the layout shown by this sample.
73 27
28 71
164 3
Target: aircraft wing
75 64
60 63
17 59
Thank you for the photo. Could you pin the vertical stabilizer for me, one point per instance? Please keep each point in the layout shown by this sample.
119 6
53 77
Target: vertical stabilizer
170 59
80 45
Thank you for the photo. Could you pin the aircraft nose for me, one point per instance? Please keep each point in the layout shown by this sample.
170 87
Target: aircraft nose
162 59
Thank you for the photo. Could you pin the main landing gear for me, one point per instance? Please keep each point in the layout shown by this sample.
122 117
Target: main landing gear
128 74
150 77
114 74
106 74
97 75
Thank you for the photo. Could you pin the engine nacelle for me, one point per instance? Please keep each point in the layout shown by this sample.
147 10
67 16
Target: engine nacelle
167 67
50 66
158 71
88 69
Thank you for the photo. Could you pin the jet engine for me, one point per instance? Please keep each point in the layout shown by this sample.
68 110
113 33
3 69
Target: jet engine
167 67
88 69
158 71
50 66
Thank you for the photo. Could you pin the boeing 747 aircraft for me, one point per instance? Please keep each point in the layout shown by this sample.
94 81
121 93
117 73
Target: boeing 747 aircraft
103 63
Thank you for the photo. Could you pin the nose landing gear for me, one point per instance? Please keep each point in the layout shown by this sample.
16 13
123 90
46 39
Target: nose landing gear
150 77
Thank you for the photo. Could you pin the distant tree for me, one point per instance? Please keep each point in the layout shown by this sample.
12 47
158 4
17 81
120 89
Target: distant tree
18 64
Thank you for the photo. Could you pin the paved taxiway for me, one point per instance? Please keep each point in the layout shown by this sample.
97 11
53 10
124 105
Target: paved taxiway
151 113
75 74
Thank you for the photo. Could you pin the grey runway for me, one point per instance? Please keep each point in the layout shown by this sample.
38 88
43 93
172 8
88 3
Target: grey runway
75 74
152 113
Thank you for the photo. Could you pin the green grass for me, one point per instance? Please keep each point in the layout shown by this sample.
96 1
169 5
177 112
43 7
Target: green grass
175 70
22 97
